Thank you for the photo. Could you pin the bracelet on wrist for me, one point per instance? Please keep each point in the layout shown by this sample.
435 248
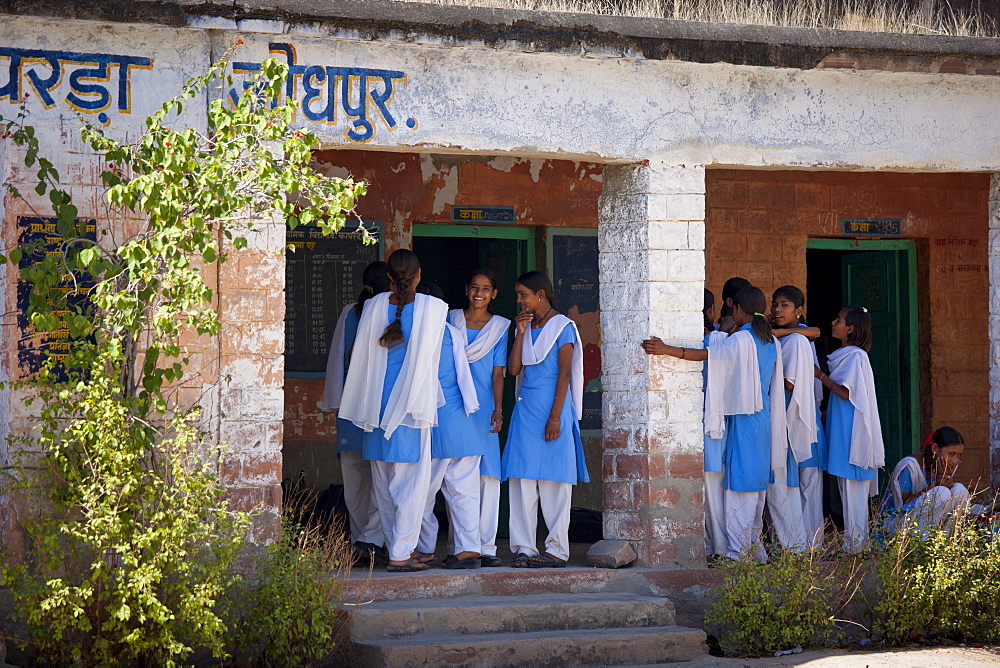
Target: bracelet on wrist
684 352
553 419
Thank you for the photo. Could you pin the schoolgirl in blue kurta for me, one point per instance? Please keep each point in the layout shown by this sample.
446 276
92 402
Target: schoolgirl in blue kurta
486 350
744 384
456 450
715 449
853 428
392 393
359 495
544 454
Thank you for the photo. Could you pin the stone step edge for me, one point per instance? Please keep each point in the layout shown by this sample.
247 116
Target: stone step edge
496 615
483 600
593 646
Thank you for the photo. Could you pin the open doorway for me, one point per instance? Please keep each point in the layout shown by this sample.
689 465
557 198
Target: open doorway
881 276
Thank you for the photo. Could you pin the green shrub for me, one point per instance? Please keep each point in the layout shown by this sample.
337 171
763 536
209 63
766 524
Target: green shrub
130 552
287 610
763 608
945 584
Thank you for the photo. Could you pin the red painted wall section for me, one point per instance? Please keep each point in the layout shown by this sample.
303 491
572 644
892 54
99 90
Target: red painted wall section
757 225
408 188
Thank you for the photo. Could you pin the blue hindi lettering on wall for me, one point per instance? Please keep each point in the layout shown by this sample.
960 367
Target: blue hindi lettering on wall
362 94
42 234
88 88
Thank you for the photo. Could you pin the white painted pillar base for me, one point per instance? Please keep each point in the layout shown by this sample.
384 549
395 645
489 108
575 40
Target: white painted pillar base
652 272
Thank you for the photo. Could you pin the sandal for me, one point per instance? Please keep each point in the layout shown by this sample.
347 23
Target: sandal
520 561
545 560
453 562
424 557
411 566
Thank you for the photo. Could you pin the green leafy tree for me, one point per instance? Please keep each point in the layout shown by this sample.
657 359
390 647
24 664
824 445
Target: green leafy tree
132 546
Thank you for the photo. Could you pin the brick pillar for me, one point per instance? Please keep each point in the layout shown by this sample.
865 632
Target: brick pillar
251 373
994 249
652 272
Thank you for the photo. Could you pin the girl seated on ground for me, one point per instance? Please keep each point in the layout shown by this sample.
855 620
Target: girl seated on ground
922 490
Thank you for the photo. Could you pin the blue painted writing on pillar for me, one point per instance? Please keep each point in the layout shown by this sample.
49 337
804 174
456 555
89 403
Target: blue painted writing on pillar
90 86
363 94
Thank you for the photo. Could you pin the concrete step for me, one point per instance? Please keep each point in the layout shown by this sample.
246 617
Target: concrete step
508 614
646 645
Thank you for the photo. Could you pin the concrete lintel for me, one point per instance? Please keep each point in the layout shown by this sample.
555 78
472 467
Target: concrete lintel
553 31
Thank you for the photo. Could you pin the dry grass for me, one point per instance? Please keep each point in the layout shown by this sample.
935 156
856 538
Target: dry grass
931 18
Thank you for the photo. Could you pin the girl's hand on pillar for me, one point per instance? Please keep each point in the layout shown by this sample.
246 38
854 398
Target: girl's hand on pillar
654 346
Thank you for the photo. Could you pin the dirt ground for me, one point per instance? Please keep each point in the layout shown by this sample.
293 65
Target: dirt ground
923 657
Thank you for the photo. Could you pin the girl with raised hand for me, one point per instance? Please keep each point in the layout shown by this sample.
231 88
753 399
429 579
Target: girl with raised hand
802 487
485 336
853 429
392 394
544 454
455 453
359 496
922 490
745 380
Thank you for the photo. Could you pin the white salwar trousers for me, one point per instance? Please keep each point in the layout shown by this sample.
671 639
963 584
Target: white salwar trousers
785 505
935 505
489 514
458 480
555 499
401 494
744 522
854 500
716 541
359 496
811 492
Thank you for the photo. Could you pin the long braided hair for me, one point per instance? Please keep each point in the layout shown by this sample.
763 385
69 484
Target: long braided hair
403 269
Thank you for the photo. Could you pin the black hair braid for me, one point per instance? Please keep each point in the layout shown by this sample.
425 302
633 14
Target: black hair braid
403 269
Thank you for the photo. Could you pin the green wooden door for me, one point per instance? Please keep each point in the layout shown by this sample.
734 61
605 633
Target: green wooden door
872 280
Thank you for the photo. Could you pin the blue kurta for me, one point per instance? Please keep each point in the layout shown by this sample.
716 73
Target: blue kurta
349 435
820 452
404 446
456 434
839 423
715 448
482 376
748 446
906 487
791 466
527 454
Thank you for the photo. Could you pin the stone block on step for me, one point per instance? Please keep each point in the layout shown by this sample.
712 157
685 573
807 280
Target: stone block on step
610 554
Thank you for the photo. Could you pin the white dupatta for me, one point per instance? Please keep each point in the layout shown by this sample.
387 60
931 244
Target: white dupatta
797 363
734 389
465 385
850 367
487 337
333 388
918 483
416 395
533 353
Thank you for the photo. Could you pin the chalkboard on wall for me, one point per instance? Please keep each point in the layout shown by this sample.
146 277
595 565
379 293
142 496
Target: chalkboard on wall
33 348
322 275
574 266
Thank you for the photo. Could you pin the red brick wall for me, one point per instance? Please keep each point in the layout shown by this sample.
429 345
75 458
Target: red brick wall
757 224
